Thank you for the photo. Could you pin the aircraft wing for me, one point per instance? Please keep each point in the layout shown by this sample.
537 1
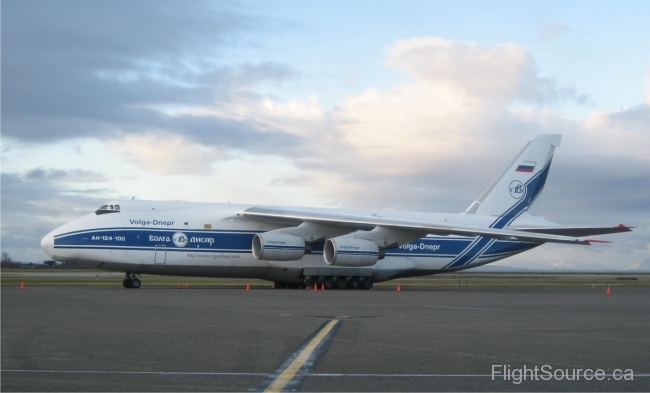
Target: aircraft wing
293 217
576 231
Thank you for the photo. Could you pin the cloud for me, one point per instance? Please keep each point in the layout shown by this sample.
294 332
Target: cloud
619 132
459 92
65 176
165 154
550 30
475 70
299 118
611 189
34 204
456 91
463 104
232 134
105 70
647 86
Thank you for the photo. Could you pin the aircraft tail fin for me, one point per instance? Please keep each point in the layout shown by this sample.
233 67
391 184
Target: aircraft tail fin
517 188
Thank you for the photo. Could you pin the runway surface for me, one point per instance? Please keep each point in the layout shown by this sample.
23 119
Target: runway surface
114 339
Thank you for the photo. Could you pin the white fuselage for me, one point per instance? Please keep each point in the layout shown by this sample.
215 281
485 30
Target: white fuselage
203 239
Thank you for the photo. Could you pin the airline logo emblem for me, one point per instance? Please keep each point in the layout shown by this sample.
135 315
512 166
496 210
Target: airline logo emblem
179 239
517 189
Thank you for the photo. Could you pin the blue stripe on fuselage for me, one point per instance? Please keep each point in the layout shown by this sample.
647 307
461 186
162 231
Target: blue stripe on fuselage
146 239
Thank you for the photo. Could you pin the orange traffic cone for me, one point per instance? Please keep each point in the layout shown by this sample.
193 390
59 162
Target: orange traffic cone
609 291
315 287
179 284
322 288
399 288
22 285
248 286
185 284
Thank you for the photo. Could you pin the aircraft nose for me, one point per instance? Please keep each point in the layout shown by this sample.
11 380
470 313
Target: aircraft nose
47 244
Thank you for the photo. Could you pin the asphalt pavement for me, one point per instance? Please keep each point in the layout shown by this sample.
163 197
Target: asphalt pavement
153 339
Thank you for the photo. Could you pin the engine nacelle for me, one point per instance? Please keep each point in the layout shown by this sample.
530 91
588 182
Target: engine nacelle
278 247
346 251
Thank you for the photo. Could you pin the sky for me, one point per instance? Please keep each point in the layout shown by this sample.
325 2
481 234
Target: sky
396 105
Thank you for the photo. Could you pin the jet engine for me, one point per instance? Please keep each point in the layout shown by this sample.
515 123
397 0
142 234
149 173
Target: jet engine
350 252
277 247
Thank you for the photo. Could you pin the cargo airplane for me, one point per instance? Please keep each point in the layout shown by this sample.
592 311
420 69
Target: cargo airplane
301 247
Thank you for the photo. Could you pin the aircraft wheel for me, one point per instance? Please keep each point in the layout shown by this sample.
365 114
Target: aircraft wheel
329 284
367 284
125 283
135 283
354 284
312 282
341 284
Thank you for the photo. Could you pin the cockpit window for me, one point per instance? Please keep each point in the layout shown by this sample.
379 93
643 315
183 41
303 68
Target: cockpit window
105 209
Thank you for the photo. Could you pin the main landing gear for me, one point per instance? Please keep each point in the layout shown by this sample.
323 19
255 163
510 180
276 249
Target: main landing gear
339 282
286 285
131 282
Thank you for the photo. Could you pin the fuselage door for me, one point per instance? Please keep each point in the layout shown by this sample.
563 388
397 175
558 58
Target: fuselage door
160 254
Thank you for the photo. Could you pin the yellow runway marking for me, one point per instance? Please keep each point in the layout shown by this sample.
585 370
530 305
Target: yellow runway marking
290 372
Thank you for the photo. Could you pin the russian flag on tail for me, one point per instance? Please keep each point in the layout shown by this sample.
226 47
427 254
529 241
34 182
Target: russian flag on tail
527 166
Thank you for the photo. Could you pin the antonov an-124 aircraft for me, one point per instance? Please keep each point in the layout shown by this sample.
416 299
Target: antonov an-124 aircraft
301 247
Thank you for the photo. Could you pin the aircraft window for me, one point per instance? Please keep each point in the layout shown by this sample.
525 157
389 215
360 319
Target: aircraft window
105 209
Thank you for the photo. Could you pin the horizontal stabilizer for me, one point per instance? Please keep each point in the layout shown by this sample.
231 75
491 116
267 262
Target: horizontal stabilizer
575 231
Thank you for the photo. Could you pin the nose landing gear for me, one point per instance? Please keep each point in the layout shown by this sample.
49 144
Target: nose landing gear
131 281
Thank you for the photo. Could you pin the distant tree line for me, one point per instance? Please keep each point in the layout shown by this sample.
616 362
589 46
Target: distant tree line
8 263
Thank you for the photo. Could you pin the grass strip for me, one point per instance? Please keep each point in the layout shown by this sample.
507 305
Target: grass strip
42 277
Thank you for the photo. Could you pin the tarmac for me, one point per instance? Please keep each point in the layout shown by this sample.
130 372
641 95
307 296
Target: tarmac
161 339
